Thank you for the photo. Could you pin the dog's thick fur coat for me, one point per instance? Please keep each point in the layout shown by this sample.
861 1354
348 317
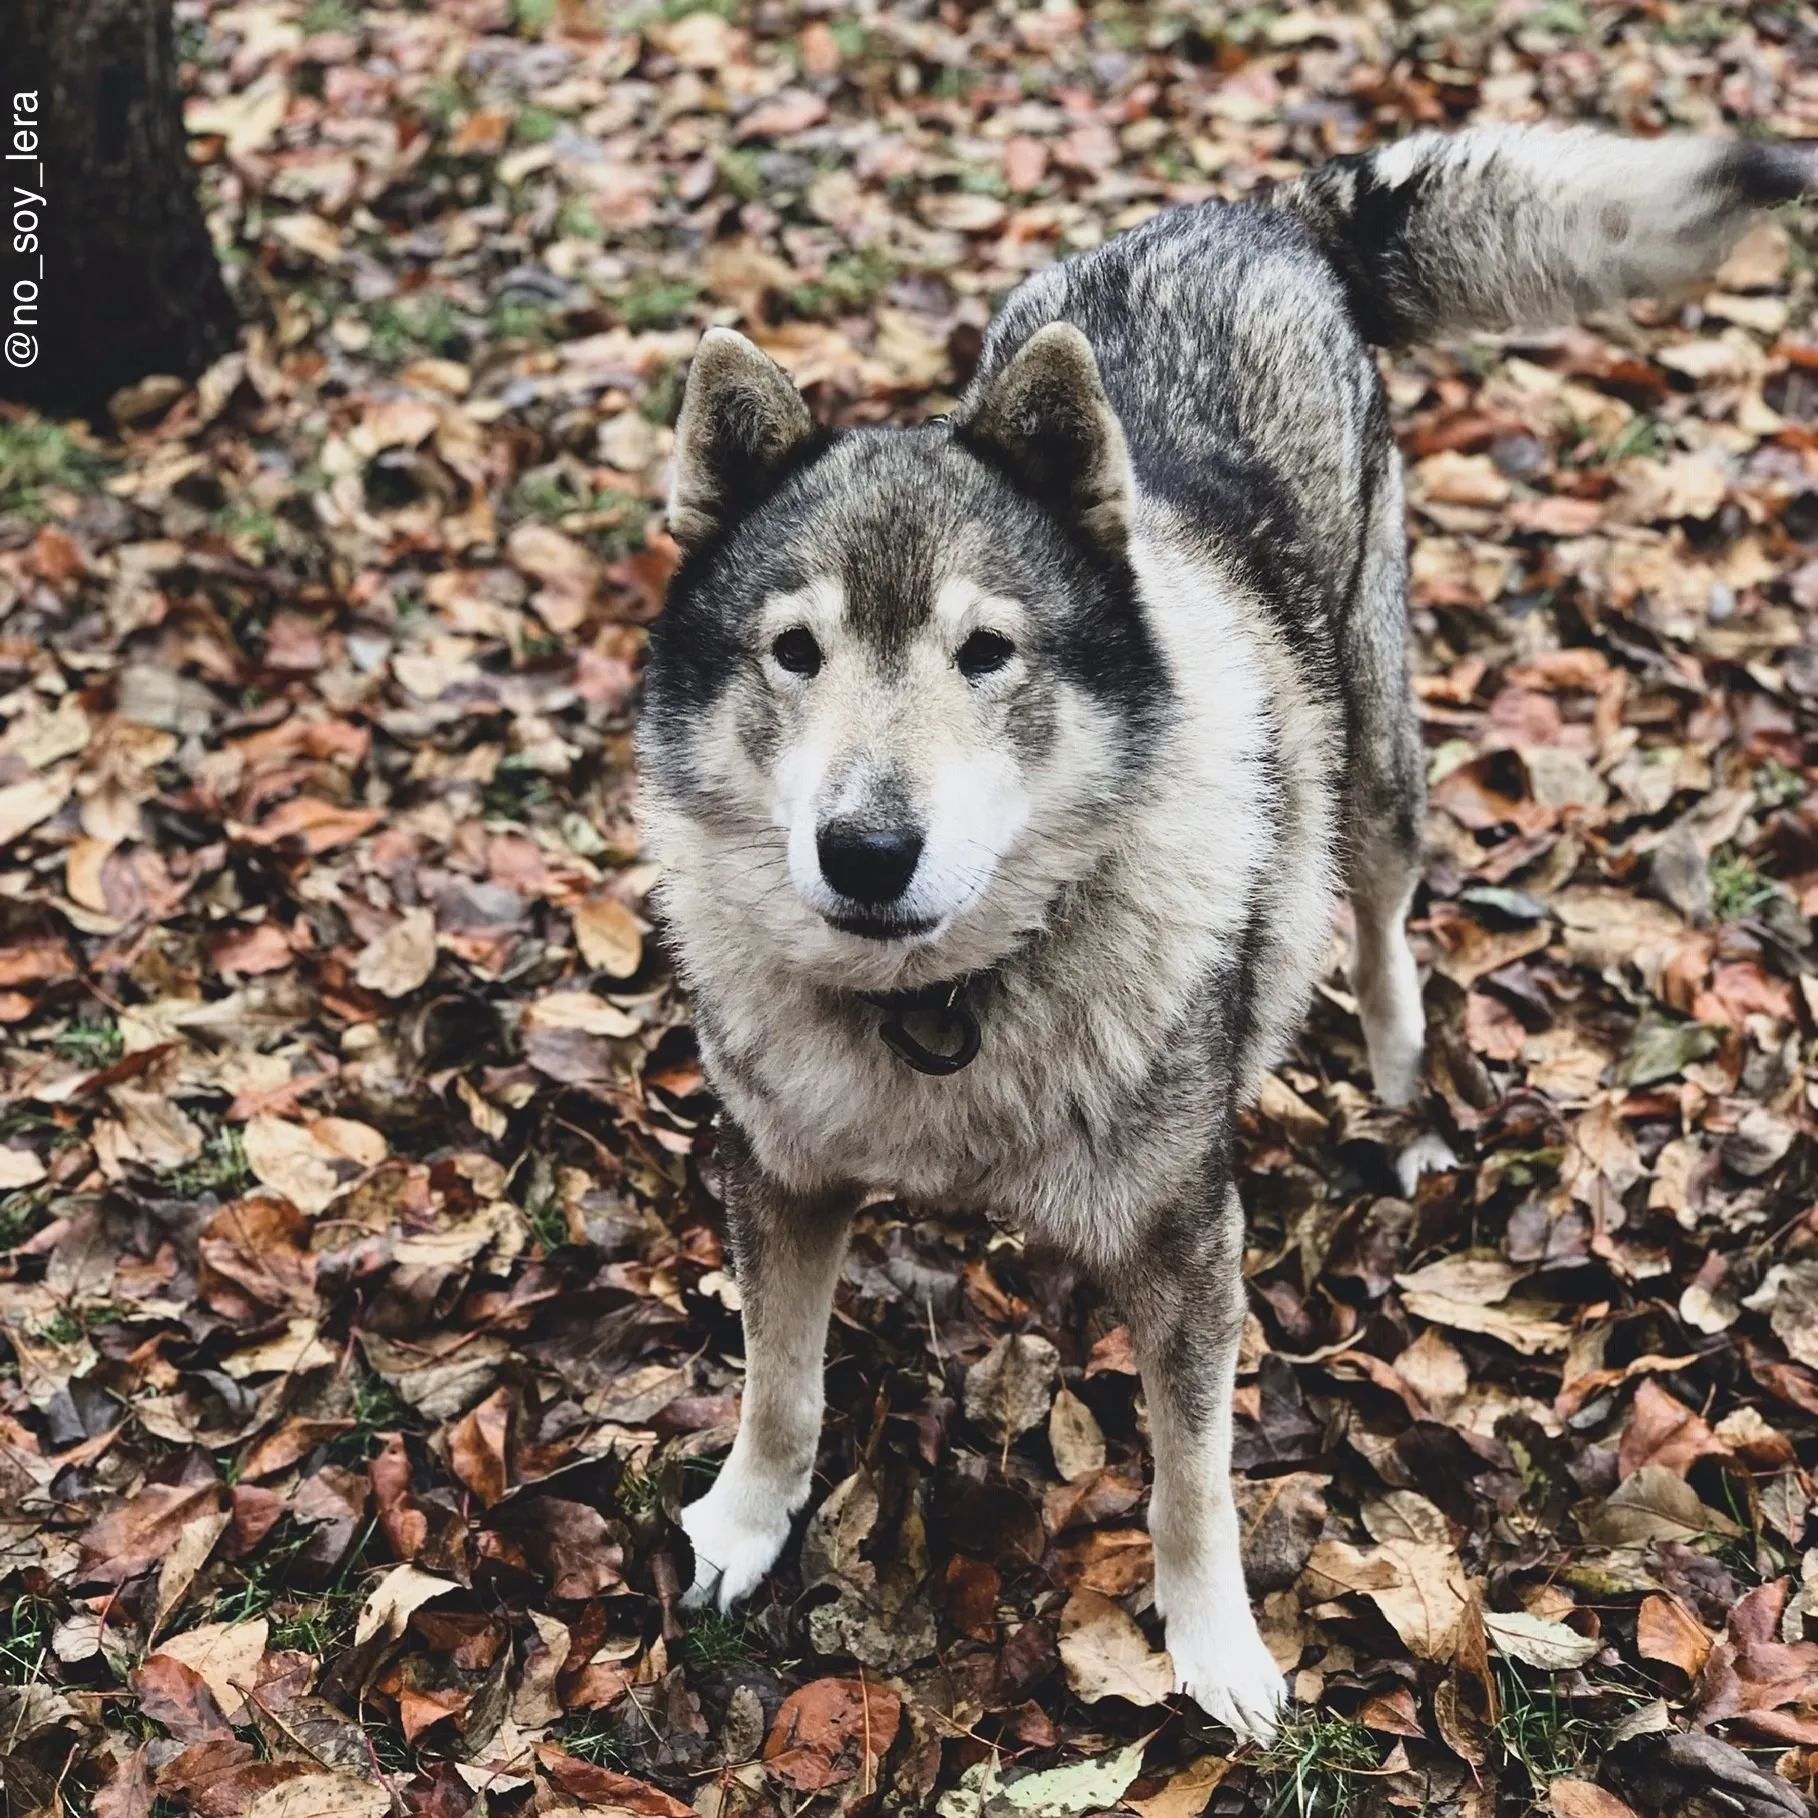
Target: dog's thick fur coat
1115 658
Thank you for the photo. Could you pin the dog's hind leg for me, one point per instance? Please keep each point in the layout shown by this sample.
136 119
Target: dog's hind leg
1385 794
787 1250
1186 1319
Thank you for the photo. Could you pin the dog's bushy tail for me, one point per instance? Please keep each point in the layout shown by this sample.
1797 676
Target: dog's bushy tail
1531 227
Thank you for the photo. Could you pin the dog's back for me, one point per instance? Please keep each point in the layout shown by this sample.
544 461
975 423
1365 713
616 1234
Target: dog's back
1252 407
1233 338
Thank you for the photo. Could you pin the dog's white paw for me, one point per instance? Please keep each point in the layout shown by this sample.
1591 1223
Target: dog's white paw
737 1532
1428 1153
1221 1664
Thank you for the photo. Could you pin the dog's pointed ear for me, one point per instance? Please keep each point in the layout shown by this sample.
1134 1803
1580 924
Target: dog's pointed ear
741 418
1046 420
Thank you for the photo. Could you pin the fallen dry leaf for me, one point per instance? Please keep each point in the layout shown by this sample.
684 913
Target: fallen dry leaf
1010 1389
830 1731
1105 1655
400 960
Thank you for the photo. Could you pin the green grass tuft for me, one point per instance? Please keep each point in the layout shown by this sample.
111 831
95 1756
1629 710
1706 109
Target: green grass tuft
95 1044
1320 1766
319 1622
656 302
1778 785
25 1631
426 323
221 1168
714 1640
24 1212
36 456
853 282
1538 1730
1737 888
640 1494
593 1736
331 16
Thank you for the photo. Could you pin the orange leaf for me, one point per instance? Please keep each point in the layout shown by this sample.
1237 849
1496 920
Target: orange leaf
476 1447
1666 1630
1665 1432
830 1730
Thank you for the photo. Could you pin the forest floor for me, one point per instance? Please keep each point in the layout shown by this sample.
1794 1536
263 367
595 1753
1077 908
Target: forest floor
363 1308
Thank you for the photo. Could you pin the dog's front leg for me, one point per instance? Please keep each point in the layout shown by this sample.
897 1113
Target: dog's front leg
1183 1294
787 1249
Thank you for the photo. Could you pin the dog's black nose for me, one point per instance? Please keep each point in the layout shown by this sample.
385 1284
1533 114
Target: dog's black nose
868 864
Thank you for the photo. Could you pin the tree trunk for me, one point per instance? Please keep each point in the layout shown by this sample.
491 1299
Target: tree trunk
100 190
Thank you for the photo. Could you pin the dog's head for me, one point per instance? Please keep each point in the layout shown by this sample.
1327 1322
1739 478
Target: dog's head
902 677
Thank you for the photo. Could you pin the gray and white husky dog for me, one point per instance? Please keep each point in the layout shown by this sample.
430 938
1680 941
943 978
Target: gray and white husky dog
1004 771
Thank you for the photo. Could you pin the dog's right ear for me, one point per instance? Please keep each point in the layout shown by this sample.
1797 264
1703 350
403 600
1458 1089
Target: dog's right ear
1046 420
741 417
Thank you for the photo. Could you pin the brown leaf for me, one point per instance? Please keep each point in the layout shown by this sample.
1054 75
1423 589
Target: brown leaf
831 1731
178 1568
569 573
1392 1713
401 959
602 1787
223 1776
24 805
421 1708
970 1590
290 1443
1475 1294
1752 1676
1113 1353
34 959
178 1697
1666 1630
1281 1518
252 952
138 1535
1665 1432
1101 1496
1111 1561
292 1721
403 1589
317 825
1572 1798
1651 1505
255 1258
608 936
400 1515
127 1791
1106 1656
1187 1792
1420 1587
1074 1437
477 1447
226 1655
572 1544
330 1795
1008 1391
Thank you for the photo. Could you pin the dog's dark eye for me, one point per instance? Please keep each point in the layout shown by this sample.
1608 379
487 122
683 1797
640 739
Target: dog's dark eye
797 652
984 652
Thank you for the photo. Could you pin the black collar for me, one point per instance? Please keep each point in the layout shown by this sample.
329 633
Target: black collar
944 1004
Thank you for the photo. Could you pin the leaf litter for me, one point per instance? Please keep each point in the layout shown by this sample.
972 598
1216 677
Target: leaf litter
364 1306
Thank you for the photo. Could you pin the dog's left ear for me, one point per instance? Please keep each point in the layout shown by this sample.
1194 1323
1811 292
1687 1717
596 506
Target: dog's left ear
741 419
1046 420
